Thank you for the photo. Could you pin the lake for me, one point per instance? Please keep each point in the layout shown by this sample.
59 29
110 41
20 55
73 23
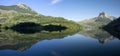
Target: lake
59 43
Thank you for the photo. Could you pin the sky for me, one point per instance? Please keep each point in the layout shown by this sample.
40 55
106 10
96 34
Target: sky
76 10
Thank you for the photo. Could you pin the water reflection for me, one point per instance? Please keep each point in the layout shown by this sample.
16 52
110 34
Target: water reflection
17 41
99 34
114 33
58 43
75 45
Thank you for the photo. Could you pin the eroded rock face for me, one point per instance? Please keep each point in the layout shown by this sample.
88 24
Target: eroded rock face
102 14
105 15
21 5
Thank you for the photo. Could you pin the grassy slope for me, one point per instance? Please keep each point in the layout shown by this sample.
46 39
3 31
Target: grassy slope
94 22
10 18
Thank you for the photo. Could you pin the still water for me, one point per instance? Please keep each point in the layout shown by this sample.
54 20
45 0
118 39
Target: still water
84 43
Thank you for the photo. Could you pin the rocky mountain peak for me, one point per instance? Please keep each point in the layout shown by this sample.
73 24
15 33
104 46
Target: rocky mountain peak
23 6
103 14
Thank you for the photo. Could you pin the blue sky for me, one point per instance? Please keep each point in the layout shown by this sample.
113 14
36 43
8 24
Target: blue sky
70 9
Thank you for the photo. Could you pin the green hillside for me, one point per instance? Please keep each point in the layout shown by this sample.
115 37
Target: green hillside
10 16
18 9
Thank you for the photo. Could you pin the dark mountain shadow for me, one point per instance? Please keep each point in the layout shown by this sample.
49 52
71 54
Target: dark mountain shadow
51 28
31 28
27 27
113 28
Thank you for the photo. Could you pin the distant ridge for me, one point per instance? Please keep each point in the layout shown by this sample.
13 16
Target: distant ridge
20 8
102 19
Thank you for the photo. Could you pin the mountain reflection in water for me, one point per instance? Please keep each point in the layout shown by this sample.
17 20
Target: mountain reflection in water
15 40
99 34
59 43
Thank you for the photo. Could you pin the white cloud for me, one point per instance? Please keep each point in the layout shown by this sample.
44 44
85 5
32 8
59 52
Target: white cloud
55 1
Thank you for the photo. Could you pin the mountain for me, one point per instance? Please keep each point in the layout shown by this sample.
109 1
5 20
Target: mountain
7 12
20 14
113 27
104 15
17 14
20 8
97 22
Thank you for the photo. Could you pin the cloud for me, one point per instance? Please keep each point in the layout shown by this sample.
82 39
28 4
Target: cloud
55 1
